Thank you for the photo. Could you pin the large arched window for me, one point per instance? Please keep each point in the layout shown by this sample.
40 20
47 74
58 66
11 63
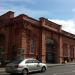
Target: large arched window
50 50
50 44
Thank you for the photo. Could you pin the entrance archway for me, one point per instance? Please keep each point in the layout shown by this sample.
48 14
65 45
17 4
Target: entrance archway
50 51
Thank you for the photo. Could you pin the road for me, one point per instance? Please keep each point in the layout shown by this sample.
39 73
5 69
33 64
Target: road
55 70
59 70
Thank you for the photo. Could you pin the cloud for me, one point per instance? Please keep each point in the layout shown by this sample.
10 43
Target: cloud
23 10
73 10
30 1
27 1
17 2
67 25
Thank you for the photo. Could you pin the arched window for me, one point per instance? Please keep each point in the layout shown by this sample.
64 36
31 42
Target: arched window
50 44
50 50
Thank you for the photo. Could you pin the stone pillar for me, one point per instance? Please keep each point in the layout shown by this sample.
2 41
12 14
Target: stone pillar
60 50
43 48
69 52
74 53
24 42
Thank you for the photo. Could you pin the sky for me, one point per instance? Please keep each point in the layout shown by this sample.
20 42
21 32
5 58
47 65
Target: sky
59 11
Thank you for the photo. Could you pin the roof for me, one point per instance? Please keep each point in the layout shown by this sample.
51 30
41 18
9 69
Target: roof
8 18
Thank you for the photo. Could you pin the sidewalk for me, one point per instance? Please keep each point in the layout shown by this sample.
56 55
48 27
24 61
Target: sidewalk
51 65
2 70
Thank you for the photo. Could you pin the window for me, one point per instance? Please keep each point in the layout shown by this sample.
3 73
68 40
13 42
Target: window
50 41
2 39
32 45
32 61
72 51
65 50
29 61
35 61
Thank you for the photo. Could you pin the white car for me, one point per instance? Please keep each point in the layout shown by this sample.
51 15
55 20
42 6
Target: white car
25 66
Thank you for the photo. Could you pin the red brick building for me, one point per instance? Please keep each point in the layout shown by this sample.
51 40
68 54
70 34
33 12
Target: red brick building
23 36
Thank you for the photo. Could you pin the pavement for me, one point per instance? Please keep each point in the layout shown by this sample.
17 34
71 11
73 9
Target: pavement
2 69
51 65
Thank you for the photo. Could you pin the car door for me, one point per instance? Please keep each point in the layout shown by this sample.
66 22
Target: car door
30 65
36 65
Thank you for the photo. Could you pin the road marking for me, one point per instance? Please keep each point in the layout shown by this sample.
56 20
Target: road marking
63 73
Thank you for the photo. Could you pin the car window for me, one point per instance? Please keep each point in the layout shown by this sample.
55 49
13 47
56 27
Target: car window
35 61
29 61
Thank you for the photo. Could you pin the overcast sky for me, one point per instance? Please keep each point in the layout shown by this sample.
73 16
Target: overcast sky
59 11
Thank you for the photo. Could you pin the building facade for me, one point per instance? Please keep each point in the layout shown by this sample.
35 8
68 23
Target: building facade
24 37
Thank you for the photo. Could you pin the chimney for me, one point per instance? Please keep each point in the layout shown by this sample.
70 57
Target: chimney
42 20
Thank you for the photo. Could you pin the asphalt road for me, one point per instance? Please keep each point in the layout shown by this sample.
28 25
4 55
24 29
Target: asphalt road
55 70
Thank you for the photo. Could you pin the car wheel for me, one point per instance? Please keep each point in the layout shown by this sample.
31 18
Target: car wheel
25 72
43 69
